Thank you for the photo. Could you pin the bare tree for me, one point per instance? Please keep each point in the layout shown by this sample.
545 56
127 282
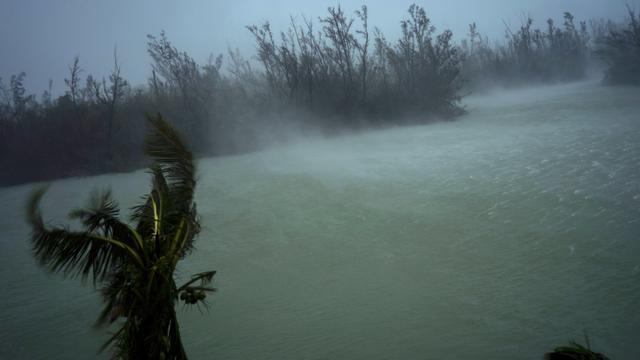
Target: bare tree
47 95
620 50
5 111
337 28
268 56
109 96
73 82
363 48
21 102
179 75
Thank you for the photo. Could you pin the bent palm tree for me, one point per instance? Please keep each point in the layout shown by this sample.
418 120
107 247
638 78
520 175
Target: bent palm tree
135 265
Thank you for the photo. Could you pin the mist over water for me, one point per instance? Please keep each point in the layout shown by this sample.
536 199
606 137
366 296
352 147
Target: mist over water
496 236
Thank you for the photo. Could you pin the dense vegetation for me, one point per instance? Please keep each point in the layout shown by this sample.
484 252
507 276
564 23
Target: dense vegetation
529 54
135 265
337 71
333 74
619 48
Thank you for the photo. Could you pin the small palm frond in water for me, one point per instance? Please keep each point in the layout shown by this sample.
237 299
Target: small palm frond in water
575 351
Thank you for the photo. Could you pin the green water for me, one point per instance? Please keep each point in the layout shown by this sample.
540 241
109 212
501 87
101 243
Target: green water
497 236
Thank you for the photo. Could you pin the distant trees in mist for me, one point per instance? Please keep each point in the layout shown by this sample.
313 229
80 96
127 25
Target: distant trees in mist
334 73
529 54
350 69
619 48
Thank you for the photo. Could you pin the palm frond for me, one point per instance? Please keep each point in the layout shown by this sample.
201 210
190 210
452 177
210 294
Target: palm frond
205 278
144 213
101 216
170 202
101 211
113 294
574 351
194 294
172 157
184 234
75 252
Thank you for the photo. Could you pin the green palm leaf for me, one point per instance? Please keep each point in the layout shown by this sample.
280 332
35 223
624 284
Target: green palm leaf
175 161
75 253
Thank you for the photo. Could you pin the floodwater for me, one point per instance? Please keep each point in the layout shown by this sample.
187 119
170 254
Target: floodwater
497 236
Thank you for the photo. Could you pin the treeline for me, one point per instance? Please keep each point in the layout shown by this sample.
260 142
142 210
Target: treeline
350 69
335 73
619 48
98 124
329 79
529 54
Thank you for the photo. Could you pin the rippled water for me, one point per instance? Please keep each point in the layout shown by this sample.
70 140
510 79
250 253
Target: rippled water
497 236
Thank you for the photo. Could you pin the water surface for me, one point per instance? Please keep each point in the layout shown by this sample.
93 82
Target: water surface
500 235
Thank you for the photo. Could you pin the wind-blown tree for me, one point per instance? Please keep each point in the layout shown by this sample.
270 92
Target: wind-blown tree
21 103
620 50
134 265
188 87
426 70
110 96
73 82
557 53
332 72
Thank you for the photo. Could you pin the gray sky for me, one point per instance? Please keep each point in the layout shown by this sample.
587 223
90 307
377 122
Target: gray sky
41 37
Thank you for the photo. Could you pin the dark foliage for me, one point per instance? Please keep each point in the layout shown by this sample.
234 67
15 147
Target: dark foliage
332 78
333 71
330 75
619 48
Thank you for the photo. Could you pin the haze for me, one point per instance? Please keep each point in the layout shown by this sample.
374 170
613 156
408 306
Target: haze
441 180
41 37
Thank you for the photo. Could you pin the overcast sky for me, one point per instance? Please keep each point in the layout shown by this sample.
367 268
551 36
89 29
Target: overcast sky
41 37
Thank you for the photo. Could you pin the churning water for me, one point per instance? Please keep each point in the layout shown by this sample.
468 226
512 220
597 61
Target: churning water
497 236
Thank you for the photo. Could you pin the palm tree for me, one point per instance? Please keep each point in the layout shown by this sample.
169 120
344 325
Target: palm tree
134 265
